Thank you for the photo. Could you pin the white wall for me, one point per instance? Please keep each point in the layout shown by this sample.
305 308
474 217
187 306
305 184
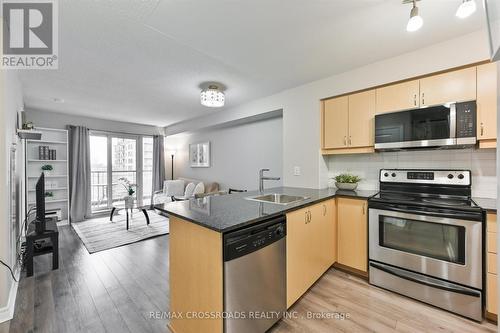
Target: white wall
237 154
481 162
43 118
300 105
11 102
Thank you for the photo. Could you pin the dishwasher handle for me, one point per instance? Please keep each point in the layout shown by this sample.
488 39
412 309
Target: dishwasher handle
248 240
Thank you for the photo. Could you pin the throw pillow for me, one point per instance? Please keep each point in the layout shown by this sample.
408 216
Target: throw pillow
188 193
199 189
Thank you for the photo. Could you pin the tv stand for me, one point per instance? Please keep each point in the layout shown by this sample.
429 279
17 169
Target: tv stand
52 246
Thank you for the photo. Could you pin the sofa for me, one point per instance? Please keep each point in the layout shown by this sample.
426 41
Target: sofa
182 189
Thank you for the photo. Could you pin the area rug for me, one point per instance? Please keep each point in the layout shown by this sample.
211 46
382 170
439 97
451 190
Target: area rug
101 234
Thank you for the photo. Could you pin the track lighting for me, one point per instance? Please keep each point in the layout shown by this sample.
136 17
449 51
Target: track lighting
466 9
415 22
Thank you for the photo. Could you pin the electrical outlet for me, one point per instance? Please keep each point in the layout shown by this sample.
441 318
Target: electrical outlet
296 171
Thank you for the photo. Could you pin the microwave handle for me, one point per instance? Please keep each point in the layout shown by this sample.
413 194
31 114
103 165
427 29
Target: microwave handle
453 120
415 278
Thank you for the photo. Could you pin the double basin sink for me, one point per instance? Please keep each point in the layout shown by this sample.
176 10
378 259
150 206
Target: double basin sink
277 198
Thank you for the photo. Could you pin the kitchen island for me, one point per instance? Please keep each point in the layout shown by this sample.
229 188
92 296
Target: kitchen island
197 228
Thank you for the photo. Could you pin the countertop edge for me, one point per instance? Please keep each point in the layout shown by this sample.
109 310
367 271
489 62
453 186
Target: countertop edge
267 217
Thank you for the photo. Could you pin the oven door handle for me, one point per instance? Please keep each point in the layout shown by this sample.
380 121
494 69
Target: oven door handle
415 279
408 210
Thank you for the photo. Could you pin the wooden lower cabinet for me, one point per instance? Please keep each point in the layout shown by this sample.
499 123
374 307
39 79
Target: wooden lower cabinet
491 263
310 246
352 233
196 276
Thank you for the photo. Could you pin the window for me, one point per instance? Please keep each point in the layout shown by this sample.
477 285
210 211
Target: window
98 172
114 157
147 168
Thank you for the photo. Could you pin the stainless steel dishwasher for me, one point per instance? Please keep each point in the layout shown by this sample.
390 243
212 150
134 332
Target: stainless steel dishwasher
255 276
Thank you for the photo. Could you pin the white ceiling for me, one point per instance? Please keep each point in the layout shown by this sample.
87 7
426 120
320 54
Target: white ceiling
144 60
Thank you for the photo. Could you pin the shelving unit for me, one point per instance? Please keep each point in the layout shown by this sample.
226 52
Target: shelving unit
56 181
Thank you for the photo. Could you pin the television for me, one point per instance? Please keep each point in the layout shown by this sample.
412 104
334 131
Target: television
40 204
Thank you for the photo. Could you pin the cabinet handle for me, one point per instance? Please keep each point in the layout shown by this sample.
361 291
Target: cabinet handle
350 141
423 99
306 217
482 129
415 99
345 140
324 210
364 208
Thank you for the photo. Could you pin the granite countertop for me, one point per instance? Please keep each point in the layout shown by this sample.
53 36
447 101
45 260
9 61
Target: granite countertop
488 204
229 212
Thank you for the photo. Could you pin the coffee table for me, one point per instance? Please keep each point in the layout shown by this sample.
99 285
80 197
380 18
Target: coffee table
144 210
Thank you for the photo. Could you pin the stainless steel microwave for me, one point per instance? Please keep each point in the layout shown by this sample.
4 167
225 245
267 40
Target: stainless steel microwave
443 126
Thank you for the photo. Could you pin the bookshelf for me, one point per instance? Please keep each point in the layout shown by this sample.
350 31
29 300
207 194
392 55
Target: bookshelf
57 180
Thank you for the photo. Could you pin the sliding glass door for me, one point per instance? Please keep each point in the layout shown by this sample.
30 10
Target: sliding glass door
123 166
114 157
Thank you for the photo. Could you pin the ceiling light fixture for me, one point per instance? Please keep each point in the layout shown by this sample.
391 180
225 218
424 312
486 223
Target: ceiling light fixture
212 97
415 22
466 9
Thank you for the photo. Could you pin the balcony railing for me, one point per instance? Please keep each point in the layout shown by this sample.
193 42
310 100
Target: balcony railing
99 187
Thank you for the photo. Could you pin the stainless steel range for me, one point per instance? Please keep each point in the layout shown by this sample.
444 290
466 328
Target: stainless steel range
426 239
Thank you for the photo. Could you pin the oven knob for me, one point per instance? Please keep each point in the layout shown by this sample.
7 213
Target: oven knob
393 174
450 176
460 176
386 174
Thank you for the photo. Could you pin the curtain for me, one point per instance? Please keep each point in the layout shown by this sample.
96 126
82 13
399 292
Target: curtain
158 164
79 173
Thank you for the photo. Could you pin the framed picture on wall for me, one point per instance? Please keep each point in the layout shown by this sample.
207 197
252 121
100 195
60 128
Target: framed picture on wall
199 155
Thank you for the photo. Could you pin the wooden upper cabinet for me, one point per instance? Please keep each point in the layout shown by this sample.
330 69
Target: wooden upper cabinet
361 119
455 86
352 233
397 97
487 101
335 122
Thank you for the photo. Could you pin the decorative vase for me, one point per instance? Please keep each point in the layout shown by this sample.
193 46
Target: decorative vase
346 186
129 202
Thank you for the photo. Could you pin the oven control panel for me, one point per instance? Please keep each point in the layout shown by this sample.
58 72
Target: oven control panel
437 177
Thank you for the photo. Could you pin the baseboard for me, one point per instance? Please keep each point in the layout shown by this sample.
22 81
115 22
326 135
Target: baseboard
7 312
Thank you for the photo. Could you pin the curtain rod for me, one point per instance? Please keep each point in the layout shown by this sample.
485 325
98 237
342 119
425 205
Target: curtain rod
125 133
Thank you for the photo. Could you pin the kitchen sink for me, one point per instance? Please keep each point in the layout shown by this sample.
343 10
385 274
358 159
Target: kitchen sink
277 198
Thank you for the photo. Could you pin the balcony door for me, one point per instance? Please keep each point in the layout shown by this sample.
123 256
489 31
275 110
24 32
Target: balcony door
114 157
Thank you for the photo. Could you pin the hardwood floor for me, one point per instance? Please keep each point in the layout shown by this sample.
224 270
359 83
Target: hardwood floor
116 290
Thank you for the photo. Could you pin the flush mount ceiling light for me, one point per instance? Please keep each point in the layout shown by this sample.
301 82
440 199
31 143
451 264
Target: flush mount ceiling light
212 97
466 9
415 22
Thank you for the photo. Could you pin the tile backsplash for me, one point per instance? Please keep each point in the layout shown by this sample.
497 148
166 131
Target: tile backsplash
482 163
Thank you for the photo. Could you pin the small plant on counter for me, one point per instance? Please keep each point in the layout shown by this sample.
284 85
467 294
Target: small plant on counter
347 178
49 194
47 167
347 181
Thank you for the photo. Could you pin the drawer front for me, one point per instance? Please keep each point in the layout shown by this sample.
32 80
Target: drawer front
492 263
491 298
492 242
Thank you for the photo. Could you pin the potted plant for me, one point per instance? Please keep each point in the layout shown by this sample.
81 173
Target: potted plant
129 198
47 169
49 194
347 181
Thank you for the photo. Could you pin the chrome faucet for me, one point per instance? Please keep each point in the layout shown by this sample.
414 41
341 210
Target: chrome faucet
262 178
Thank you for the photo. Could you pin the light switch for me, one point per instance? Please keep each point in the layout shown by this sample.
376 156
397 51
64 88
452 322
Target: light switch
296 171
